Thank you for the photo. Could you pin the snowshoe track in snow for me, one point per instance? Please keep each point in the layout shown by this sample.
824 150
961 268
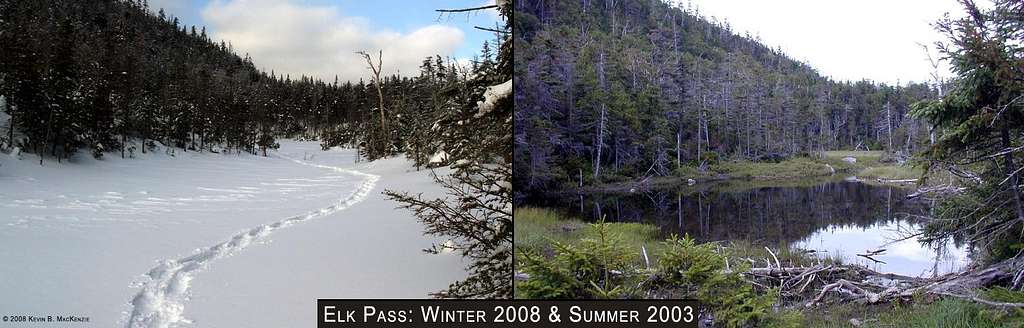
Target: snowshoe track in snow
161 300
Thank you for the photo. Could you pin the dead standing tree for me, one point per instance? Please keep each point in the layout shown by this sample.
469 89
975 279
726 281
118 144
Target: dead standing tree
380 91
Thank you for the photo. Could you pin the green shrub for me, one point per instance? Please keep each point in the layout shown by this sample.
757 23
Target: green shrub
603 265
711 156
687 171
701 270
581 271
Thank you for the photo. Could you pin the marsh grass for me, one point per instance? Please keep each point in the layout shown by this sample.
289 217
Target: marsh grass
536 228
891 172
869 164
797 167
922 313
944 313
741 250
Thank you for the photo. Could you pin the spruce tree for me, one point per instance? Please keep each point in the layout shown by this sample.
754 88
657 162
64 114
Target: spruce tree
478 213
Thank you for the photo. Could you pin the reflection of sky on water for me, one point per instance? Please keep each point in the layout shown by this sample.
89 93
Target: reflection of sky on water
906 257
830 214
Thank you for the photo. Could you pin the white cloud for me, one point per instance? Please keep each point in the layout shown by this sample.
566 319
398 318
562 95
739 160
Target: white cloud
848 40
319 41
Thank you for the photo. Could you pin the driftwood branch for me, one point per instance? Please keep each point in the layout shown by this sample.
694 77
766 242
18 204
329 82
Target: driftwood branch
777 264
1017 280
842 283
860 284
870 255
647 261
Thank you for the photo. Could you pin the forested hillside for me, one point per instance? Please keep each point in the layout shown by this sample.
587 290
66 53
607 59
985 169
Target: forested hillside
118 76
642 88
114 75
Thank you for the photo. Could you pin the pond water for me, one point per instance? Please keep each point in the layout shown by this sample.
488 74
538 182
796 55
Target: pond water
835 217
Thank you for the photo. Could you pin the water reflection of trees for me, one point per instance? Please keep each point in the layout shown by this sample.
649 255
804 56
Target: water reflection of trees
768 215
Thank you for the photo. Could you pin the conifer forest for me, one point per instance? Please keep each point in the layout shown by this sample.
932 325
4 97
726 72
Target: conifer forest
144 151
664 150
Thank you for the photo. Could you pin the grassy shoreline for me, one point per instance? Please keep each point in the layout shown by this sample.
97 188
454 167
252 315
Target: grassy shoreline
869 166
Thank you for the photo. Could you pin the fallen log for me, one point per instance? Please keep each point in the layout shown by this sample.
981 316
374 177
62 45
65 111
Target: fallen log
880 180
858 292
791 270
966 282
984 301
938 190
861 284
961 285
842 283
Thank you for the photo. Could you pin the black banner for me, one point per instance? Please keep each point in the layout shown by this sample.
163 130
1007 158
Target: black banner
335 313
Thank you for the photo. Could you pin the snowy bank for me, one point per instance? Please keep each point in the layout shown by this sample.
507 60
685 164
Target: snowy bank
89 237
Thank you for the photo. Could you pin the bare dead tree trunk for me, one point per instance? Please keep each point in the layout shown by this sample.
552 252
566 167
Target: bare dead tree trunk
700 125
679 140
49 128
376 81
888 120
698 139
10 132
1012 174
937 79
707 136
601 123
10 127
679 208
600 141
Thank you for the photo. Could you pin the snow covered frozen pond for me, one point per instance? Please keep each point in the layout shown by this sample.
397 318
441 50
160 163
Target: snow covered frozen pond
200 240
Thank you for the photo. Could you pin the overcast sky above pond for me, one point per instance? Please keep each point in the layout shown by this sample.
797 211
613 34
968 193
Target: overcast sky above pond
847 40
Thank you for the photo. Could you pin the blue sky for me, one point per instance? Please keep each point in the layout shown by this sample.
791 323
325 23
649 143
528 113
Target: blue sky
317 37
